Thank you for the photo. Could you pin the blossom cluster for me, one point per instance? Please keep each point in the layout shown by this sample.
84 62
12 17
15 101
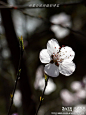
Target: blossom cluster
78 95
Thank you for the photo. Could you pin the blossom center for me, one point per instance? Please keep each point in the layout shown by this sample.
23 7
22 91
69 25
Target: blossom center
56 58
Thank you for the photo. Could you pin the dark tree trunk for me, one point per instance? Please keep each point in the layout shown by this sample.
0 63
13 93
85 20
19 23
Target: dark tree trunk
28 103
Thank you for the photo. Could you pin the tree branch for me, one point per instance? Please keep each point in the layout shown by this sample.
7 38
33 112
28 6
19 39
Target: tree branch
46 81
7 6
47 21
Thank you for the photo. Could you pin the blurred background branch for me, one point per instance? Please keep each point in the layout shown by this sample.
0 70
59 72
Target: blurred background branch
4 5
51 23
13 43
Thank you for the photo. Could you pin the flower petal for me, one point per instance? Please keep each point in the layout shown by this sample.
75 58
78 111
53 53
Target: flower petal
67 68
44 56
51 70
66 54
52 46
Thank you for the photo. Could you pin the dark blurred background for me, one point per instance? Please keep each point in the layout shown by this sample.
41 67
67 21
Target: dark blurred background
61 91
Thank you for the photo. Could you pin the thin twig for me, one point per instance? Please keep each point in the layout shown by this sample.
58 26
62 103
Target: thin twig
17 78
74 31
46 81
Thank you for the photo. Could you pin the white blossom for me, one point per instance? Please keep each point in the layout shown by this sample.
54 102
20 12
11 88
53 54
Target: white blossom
57 59
6 53
64 20
81 93
40 82
17 98
76 85
39 76
67 97
15 114
49 88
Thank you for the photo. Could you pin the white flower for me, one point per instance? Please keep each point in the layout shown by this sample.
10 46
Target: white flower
39 76
76 85
15 114
81 93
57 59
49 88
17 98
67 97
40 82
64 20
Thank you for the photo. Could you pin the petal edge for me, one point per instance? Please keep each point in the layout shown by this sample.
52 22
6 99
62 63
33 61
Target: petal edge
52 46
67 68
51 70
44 56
